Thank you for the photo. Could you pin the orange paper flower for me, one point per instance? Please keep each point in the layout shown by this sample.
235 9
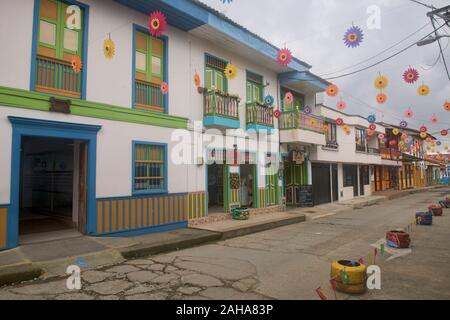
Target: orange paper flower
197 80
381 98
332 90
447 106
76 64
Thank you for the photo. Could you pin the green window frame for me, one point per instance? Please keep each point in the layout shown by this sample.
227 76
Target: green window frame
60 30
299 100
215 74
254 88
151 56
149 168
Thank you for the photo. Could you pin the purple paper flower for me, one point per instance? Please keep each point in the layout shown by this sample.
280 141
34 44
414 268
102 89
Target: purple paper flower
353 37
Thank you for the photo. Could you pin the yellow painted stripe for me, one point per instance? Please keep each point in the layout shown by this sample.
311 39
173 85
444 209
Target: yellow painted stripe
127 214
144 212
107 215
150 213
139 213
166 210
133 213
113 216
160 212
185 209
120 224
173 209
99 217
3 222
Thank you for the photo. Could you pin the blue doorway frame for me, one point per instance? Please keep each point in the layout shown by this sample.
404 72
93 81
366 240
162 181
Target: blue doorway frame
26 127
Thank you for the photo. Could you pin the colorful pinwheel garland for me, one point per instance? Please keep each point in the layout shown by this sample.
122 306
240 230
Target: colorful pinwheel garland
447 106
277 114
157 23
381 98
269 101
409 113
284 56
231 71
332 90
403 124
423 90
307 110
411 76
164 88
109 49
434 119
372 118
289 98
353 37
341 105
381 82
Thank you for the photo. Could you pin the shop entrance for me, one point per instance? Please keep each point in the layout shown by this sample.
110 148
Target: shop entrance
216 203
53 178
248 185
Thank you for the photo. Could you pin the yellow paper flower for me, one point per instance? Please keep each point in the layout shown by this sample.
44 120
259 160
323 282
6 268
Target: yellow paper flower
423 90
396 132
109 49
381 82
231 71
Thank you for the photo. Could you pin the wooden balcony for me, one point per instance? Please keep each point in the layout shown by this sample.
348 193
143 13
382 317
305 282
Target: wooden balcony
57 77
148 96
259 116
221 109
390 154
296 126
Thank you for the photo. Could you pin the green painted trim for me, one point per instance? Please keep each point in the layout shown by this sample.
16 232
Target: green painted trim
24 99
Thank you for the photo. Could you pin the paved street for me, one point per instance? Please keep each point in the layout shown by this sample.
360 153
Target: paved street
285 263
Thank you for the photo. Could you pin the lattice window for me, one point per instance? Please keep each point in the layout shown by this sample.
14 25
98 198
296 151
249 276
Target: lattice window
149 168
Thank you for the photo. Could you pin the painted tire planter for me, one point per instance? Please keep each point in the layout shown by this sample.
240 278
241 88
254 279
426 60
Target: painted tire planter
398 239
424 218
356 276
436 211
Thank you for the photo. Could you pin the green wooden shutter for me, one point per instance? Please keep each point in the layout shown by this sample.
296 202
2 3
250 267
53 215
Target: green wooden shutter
249 93
220 81
208 80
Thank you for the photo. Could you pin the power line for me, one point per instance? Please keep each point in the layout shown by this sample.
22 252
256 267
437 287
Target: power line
423 4
440 46
380 53
384 60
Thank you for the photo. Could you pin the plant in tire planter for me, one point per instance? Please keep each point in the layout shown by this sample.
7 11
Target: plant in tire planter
398 239
349 276
424 218
436 210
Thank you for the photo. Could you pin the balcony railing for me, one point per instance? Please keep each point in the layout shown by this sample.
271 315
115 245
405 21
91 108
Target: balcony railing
57 77
259 114
298 120
148 96
331 145
390 154
219 104
360 148
374 151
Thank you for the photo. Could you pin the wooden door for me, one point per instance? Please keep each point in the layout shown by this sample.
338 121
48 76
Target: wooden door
82 188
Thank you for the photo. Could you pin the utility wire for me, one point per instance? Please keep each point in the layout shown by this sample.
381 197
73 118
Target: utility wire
384 60
440 47
423 4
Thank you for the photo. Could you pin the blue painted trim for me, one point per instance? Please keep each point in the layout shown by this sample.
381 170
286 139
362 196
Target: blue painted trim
206 192
148 230
222 122
294 77
139 196
163 191
260 127
165 40
34 46
52 129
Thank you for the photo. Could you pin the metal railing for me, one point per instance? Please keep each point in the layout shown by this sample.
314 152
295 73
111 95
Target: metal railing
373 151
390 154
259 114
218 104
148 96
58 77
298 120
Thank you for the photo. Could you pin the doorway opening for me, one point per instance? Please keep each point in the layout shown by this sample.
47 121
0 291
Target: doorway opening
215 188
248 186
52 197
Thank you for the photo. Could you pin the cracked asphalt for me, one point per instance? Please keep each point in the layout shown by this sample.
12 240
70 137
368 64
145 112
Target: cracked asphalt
290 262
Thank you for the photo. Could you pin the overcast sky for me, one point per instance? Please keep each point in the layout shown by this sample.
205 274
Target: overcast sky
314 29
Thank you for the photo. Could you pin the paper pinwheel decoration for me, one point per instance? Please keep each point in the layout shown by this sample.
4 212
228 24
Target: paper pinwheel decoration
339 121
434 119
446 148
407 140
444 133
345 127
429 140
289 98
423 135
332 90
409 113
109 49
269 101
370 133
381 98
313 122
372 118
403 124
423 129
392 142
395 132
307 110
157 23
381 136
231 71
373 127
197 80
348 132
341 105
284 56
381 82
423 90
411 76
353 37
164 88
76 64
325 128
447 106
277 114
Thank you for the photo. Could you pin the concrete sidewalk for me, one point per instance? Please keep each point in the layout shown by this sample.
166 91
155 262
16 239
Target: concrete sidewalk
49 259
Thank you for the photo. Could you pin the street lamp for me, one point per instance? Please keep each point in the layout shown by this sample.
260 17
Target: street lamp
431 39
